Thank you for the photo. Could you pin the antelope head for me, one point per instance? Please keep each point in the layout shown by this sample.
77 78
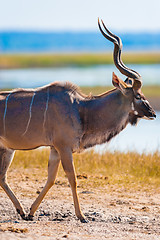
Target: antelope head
131 87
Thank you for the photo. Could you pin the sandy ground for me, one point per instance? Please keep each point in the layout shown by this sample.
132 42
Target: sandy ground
116 214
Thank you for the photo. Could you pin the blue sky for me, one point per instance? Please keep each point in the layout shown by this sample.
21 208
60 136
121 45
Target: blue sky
72 15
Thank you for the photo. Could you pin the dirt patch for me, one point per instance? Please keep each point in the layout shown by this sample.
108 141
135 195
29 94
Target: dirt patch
116 214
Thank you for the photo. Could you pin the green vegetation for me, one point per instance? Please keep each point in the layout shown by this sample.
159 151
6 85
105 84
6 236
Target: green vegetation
151 91
74 59
148 91
130 169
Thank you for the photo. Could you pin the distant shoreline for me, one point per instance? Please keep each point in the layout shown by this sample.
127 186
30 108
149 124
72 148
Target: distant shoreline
34 60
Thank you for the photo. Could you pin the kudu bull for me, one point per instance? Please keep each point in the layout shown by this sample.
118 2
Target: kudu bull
60 116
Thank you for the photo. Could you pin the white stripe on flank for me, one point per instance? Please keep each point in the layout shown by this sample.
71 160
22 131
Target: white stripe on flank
5 111
30 114
45 112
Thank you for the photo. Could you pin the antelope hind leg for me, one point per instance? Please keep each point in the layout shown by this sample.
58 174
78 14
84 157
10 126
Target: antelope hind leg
68 166
6 156
53 165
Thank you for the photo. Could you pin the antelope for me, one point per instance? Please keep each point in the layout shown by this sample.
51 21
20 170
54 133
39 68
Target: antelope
60 116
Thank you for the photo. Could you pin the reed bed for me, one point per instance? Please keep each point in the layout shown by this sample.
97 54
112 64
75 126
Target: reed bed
74 59
93 169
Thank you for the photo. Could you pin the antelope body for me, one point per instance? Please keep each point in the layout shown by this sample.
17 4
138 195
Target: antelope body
60 116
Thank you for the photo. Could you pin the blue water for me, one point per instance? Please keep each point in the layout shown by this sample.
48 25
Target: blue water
73 41
88 76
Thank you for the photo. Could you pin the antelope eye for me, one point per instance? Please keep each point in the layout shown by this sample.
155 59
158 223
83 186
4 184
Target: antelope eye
138 97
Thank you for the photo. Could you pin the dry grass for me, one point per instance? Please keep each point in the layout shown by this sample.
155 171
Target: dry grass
95 170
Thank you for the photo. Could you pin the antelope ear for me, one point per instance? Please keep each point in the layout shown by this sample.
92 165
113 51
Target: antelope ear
118 83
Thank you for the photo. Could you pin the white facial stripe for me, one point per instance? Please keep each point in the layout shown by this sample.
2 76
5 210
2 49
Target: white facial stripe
135 112
132 105
146 101
30 114
5 111
45 112
133 109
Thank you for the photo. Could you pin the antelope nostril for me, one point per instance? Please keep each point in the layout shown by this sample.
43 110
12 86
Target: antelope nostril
152 113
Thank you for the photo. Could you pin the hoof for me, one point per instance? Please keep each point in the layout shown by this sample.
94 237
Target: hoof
84 220
29 218
23 216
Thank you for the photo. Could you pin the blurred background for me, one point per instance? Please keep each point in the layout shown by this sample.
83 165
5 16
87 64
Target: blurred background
46 41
